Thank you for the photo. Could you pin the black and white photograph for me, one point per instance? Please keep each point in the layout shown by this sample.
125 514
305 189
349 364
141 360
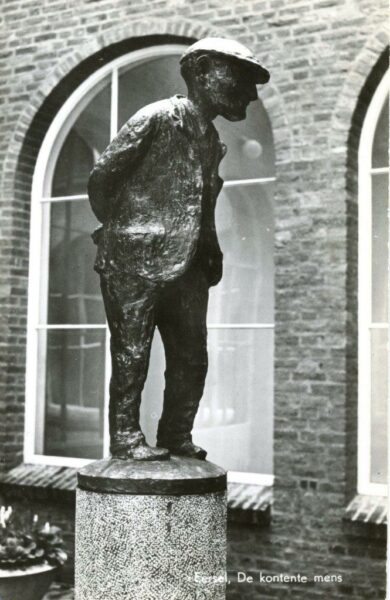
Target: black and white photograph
194 256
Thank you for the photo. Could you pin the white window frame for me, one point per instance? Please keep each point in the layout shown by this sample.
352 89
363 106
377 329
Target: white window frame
365 324
39 239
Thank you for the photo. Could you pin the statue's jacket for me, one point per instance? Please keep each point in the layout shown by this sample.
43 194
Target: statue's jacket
148 191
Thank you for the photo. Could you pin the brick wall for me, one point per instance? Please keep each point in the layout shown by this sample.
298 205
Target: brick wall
325 60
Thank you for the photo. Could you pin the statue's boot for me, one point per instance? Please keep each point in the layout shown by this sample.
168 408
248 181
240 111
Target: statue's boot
181 401
179 444
136 448
142 452
183 448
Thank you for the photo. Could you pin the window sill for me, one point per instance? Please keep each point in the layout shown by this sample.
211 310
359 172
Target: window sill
366 516
247 503
40 482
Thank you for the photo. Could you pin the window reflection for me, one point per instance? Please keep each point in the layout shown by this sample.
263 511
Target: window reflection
86 140
74 293
380 150
235 417
148 82
380 231
74 397
244 219
379 387
250 152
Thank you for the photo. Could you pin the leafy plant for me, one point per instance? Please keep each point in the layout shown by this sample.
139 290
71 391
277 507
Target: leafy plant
23 545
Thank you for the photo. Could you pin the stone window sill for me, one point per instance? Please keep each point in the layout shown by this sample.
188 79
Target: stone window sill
366 516
40 482
247 504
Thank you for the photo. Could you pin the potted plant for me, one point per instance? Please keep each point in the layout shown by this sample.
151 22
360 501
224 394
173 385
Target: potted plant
29 556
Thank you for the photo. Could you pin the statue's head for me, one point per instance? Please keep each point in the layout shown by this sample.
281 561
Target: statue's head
224 74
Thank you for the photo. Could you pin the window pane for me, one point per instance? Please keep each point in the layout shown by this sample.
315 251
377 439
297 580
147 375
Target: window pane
148 82
380 156
74 293
244 220
249 143
87 139
379 247
379 383
152 396
74 392
235 419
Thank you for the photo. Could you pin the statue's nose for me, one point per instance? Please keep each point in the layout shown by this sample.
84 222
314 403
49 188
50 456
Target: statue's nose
253 93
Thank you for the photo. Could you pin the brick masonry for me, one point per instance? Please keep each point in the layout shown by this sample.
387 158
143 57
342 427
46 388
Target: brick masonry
326 57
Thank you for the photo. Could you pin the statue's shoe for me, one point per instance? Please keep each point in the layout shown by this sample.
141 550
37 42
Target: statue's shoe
142 452
185 448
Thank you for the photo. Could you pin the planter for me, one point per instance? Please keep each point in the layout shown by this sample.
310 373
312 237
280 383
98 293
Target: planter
30 583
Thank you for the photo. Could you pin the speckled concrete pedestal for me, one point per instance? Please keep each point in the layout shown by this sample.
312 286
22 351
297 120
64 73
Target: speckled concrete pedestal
151 531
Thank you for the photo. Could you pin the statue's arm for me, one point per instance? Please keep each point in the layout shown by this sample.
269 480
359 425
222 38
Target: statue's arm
212 253
211 232
119 158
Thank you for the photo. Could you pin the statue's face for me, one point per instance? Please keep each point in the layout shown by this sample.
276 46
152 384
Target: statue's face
229 87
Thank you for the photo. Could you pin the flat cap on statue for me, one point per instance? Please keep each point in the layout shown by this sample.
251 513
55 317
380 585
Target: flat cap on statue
231 49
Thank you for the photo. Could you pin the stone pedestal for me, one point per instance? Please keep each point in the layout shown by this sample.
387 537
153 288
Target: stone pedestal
151 531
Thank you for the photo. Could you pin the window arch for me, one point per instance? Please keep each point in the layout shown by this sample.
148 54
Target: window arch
373 293
68 364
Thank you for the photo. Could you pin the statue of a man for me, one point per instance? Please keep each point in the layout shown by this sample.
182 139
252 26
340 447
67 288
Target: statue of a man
154 190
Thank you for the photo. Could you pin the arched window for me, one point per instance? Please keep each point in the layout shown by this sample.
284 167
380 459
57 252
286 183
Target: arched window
68 366
373 293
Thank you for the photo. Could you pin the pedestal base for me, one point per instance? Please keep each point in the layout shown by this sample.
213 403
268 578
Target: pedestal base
164 544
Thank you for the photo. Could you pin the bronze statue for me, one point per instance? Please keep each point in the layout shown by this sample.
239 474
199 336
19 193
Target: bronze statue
154 190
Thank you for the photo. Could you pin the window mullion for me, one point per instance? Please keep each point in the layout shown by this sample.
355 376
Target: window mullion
64 326
114 103
380 170
255 181
41 339
107 376
240 325
77 198
107 370
365 319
